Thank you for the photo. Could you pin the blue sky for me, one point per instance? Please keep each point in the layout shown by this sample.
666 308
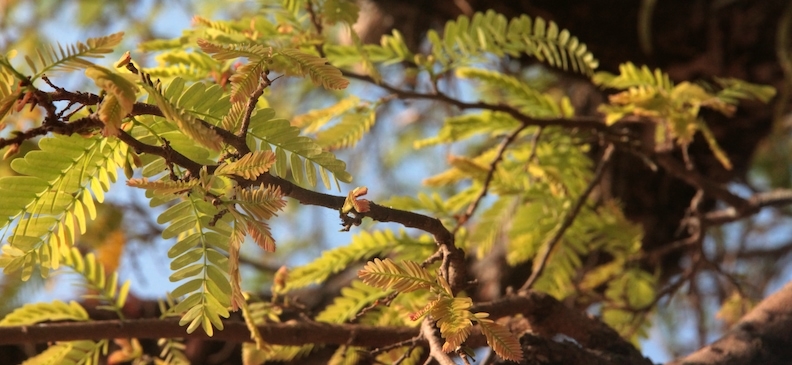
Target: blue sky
154 263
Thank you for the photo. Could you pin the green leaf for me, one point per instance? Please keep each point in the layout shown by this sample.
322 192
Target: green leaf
187 123
249 166
352 300
403 277
74 57
503 342
34 313
317 68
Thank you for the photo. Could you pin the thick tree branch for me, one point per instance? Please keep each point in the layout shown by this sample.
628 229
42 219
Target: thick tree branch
435 346
761 337
290 333
546 316
540 313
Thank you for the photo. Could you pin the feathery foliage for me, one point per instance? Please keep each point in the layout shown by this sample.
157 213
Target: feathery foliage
210 144
55 196
73 57
674 108
467 39
42 312
363 246
452 314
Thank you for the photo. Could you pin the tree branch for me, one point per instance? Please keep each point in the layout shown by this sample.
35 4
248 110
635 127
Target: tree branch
290 333
490 175
544 314
594 122
755 203
761 337
695 179
569 218
457 272
435 347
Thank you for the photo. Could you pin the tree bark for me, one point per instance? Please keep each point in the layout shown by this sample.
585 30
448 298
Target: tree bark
761 337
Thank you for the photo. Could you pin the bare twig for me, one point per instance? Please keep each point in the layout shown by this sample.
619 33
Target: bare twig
264 82
592 122
535 144
569 218
755 203
695 179
488 179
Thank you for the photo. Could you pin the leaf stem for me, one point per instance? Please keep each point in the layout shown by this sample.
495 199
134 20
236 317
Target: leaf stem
569 219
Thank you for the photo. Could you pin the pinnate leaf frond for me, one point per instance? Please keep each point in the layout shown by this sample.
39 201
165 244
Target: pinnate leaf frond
163 187
252 52
517 93
297 154
503 342
315 119
405 276
74 56
363 246
349 131
454 319
631 75
249 166
466 38
260 233
245 80
42 312
262 202
187 123
71 352
120 99
352 300
55 198
198 258
317 68
102 287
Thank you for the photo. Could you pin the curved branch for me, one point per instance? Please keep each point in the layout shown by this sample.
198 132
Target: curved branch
594 122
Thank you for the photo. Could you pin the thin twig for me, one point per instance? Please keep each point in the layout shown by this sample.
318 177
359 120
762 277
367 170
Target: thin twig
695 179
394 345
535 144
569 218
264 82
488 179
775 198
594 122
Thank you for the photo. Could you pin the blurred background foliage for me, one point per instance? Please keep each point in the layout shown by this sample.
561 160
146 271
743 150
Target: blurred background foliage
699 39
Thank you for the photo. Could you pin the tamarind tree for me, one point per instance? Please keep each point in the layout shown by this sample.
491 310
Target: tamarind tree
516 249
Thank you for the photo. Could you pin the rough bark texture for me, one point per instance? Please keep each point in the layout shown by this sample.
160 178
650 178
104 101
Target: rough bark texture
763 336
